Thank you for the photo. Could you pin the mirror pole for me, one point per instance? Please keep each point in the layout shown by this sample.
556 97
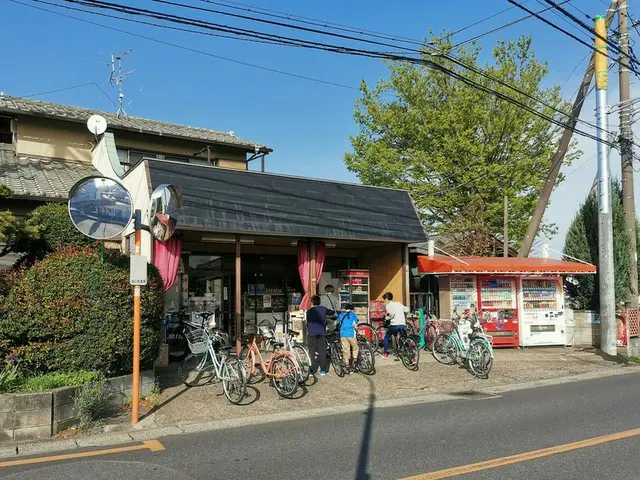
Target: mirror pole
135 400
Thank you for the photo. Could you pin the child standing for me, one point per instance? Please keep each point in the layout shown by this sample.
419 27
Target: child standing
317 336
347 323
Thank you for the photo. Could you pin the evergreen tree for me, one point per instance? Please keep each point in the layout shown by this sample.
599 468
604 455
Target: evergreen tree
582 242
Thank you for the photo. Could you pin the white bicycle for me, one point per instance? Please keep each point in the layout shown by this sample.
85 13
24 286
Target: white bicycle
300 355
205 365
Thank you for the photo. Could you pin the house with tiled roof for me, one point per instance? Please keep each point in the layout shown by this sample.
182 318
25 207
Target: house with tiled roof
45 148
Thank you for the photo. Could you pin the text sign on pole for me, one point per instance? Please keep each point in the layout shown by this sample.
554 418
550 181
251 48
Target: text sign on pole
138 270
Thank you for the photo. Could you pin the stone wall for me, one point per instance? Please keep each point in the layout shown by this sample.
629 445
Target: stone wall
34 416
586 333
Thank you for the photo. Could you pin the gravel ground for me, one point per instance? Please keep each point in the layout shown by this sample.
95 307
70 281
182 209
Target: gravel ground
179 405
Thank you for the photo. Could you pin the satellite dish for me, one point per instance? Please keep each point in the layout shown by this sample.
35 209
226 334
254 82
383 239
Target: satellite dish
100 207
164 208
97 124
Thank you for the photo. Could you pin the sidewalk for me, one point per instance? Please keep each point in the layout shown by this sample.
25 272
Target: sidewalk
181 406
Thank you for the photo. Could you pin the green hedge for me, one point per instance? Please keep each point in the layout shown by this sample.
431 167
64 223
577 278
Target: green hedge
70 312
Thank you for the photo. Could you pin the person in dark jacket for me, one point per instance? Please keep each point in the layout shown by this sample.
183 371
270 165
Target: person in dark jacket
317 335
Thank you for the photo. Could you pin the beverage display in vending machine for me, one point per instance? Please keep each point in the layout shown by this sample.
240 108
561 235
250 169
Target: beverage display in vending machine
542 302
498 307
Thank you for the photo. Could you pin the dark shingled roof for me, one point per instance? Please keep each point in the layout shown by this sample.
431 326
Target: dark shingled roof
40 178
25 106
240 201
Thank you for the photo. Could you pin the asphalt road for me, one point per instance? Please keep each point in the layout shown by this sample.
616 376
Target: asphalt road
394 443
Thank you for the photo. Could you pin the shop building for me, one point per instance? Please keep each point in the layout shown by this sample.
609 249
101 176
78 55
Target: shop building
254 245
521 299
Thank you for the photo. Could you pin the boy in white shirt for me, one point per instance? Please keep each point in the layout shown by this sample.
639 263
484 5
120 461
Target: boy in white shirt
396 315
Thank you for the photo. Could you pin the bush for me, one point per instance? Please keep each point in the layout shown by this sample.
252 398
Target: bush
49 381
92 402
69 312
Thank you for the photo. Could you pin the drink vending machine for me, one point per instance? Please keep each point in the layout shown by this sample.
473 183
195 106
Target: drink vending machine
542 306
498 305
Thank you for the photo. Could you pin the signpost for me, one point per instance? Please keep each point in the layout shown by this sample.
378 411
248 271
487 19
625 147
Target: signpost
101 208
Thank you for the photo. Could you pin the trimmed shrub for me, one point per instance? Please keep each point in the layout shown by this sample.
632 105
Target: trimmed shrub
69 312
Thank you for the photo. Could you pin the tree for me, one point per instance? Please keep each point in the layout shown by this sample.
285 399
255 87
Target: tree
451 145
14 231
582 242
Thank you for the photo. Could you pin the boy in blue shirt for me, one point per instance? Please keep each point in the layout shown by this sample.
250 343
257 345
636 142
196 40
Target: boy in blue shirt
347 323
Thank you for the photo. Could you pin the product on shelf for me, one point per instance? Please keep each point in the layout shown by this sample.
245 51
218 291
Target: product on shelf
540 294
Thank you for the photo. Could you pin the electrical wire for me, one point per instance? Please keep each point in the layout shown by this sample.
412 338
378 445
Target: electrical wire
185 48
299 42
345 50
569 34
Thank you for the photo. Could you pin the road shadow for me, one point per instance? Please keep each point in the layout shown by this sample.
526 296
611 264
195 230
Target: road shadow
362 467
253 393
165 402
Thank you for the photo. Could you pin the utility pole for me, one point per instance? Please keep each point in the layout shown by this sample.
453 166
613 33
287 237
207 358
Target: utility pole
563 146
626 149
605 224
506 227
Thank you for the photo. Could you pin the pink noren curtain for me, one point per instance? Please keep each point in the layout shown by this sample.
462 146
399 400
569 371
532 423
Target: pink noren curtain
166 258
303 270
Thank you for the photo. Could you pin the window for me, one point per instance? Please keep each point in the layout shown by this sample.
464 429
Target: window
6 132
130 158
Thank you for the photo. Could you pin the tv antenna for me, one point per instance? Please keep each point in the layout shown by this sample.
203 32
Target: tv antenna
117 79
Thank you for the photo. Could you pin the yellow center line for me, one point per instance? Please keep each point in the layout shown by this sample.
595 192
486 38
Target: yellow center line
524 457
151 445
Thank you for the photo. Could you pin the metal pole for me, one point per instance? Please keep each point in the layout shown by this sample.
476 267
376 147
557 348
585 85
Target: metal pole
563 146
238 297
506 227
135 394
605 228
626 144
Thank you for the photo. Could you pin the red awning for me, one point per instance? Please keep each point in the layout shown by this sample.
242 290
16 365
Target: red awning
440 264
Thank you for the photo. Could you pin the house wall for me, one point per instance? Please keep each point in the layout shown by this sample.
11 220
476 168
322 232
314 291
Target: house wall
385 267
72 141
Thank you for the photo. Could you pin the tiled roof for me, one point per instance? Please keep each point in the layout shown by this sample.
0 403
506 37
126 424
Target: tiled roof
25 106
39 177
242 201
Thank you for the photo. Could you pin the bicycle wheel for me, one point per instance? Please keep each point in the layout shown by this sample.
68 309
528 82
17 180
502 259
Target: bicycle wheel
430 335
304 361
336 361
366 359
411 328
410 354
234 380
258 374
178 346
443 349
370 334
284 376
196 370
479 359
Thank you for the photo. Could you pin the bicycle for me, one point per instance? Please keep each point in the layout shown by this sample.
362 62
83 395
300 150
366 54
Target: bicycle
407 349
372 335
448 348
281 368
300 354
204 365
365 363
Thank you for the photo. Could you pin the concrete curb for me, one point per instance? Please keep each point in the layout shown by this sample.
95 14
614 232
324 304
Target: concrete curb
152 432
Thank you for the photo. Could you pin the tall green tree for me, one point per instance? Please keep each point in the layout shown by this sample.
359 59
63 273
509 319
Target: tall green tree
451 145
582 242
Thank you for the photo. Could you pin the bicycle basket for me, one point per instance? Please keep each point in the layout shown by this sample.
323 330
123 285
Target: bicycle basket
198 340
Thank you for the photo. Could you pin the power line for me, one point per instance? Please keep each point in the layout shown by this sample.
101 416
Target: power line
295 41
182 47
344 50
72 87
502 27
569 34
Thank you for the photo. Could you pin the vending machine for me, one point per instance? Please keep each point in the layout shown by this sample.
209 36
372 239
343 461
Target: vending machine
354 289
498 305
464 293
542 306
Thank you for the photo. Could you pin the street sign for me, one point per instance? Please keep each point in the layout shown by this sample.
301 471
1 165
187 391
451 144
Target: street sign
138 270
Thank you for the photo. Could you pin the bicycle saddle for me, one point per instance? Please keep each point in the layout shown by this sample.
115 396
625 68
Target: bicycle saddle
278 345
294 333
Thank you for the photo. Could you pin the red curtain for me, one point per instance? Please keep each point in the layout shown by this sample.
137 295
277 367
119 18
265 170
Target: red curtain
166 258
303 270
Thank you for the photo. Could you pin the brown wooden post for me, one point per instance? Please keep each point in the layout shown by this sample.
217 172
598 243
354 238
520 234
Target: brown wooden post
313 282
238 297
406 284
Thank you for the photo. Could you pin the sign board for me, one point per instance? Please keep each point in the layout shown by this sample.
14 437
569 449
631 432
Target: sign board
138 270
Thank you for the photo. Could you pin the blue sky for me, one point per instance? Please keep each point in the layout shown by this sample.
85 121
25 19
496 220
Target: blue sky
306 123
